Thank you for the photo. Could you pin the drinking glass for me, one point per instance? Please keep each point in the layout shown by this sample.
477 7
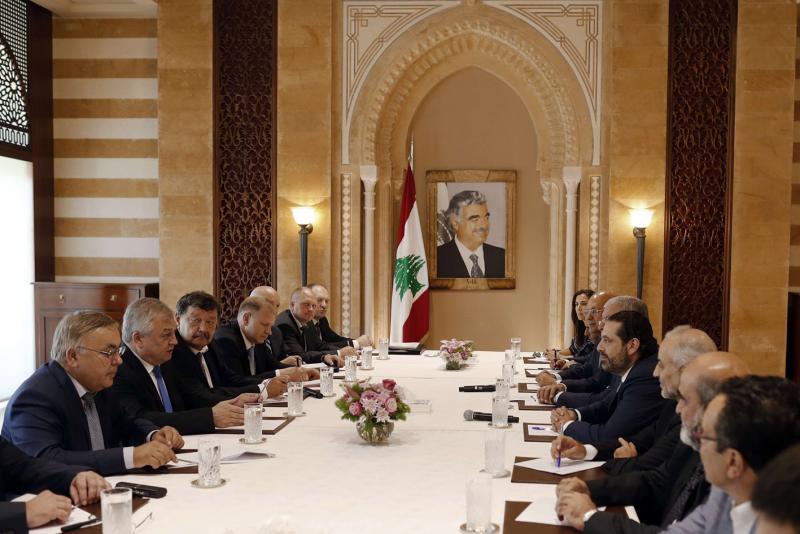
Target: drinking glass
296 398
383 348
350 369
252 422
116 509
495 452
326 381
499 410
501 387
516 346
508 374
209 453
366 358
479 503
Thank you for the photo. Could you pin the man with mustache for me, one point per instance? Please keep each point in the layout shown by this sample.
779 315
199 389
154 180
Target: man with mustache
64 411
468 255
202 372
671 491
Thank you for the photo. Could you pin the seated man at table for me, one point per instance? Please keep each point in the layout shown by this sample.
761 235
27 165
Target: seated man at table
203 375
275 339
680 346
146 384
779 484
20 474
244 342
300 336
64 411
672 490
323 327
628 350
748 423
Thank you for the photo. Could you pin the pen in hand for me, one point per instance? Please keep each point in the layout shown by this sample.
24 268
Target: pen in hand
560 444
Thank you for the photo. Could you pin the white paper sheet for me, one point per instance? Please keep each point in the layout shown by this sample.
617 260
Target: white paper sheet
537 367
240 456
76 516
266 424
543 510
276 400
524 397
568 467
542 430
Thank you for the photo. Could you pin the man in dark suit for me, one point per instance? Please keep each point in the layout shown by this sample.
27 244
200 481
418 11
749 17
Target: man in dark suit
629 351
275 340
679 347
146 385
203 376
65 412
245 344
300 336
324 329
19 473
468 255
672 490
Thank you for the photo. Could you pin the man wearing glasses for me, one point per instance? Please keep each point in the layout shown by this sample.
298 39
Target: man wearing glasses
64 412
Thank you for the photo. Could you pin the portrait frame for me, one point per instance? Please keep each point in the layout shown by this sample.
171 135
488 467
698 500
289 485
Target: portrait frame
491 182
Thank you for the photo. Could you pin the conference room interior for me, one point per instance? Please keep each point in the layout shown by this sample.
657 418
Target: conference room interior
587 210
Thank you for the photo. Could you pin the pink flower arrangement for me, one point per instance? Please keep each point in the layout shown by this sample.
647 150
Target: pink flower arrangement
373 403
455 352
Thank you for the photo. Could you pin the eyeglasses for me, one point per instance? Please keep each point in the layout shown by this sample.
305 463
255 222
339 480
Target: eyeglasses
109 354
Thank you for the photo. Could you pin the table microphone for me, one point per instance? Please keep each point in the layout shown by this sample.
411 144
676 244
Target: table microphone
469 415
474 389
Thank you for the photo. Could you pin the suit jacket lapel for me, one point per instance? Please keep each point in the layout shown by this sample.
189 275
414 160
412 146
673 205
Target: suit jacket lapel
74 405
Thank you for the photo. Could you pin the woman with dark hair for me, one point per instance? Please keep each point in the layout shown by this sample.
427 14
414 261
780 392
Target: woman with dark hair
579 300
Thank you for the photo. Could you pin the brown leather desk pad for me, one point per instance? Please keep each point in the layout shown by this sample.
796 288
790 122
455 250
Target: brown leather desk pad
532 476
514 508
265 432
537 408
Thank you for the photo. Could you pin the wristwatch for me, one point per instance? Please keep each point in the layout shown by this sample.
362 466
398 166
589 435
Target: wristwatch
588 515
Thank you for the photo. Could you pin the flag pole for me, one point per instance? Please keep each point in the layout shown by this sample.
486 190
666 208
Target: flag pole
411 154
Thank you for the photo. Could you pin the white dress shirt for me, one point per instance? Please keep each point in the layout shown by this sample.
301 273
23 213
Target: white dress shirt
743 518
251 357
466 253
149 368
203 365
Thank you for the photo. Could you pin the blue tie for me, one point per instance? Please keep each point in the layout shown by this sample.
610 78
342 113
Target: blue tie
162 389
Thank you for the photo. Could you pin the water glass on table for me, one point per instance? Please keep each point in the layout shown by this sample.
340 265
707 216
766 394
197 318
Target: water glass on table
350 368
366 358
383 348
499 410
495 453
116 505
252 422
501 387
296 398
209 456
326 382
508 374
516 346
479 503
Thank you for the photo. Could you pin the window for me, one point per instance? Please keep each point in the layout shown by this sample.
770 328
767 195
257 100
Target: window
16 274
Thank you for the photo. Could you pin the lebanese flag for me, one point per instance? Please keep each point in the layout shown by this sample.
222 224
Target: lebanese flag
410 283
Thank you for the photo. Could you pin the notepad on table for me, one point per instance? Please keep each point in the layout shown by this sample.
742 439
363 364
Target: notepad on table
548 465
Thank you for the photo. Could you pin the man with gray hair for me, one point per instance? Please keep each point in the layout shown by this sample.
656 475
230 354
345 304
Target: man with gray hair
468 255
64 411
147 385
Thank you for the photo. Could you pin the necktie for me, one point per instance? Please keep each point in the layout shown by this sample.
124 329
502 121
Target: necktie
204 366
475 272
93 420
251 358
162 389
677 512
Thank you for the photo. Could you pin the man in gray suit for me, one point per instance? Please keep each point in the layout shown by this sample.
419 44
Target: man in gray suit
750 421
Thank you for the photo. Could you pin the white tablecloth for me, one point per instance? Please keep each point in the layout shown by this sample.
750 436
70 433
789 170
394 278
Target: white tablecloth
324 478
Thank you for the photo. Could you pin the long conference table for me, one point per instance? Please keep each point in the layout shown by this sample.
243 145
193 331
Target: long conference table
325 479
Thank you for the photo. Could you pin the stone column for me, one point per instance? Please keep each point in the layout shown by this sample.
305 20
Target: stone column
572 177
369 177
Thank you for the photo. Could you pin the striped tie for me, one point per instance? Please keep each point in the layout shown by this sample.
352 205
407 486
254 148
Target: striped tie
93 420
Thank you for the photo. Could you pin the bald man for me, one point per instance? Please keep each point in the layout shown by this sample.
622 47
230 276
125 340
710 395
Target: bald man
670 492
275 340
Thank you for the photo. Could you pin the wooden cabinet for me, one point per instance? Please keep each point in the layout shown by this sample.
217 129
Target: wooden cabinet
54 300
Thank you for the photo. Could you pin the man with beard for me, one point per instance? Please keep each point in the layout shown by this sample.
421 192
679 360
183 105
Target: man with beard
670 492
628 350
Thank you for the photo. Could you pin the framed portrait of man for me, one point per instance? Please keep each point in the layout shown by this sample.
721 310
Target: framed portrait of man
471 229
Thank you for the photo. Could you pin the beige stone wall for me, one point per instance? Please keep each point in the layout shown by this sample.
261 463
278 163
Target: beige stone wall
762 178
305 86
186 147
636 85
452 131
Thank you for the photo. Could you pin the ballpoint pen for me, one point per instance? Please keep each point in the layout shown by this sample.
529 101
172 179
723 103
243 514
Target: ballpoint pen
82 524
560 443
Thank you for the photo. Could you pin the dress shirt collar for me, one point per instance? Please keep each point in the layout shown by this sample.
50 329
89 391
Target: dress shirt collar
247 342
466 253
743 518
201 351
147 366
622 379
297 321
78 387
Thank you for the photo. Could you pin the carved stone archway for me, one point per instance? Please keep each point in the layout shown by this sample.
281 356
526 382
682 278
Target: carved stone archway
429 52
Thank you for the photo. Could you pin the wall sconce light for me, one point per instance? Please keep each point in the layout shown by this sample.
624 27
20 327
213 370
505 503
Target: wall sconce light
304 217
640 220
